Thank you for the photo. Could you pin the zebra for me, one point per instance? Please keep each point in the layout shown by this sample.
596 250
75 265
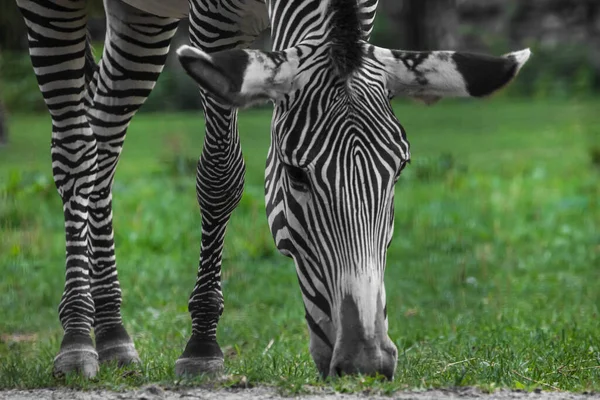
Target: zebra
337 150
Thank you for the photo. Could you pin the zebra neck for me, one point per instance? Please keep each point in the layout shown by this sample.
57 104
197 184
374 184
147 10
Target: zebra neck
293 21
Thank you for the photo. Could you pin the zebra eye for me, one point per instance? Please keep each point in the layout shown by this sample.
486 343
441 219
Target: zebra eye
298 177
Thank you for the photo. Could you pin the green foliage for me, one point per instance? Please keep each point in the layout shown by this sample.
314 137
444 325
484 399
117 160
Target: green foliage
18 86
592 133
438 168
13 32
567 73
490 279
175 91
382 35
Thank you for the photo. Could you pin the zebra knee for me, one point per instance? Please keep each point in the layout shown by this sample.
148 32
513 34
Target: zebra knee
219 191
74 170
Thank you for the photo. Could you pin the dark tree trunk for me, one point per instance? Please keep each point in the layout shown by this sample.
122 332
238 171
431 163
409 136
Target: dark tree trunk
440 25
13 34
423 24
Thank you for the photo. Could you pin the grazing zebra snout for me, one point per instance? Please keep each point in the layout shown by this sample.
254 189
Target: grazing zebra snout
363 347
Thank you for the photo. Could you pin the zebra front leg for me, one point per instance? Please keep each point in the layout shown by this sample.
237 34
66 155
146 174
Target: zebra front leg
216 25
136 49
219 187
57 44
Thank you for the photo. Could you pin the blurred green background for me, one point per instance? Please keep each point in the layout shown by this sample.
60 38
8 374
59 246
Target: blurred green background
563 34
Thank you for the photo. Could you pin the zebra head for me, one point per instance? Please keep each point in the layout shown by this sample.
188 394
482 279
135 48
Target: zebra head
337 150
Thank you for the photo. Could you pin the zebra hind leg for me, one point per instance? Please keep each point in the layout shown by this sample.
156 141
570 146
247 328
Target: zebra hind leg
57 42
136 49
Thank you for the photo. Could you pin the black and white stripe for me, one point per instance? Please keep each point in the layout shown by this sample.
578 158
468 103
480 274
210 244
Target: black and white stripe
329 180
91 107
336 152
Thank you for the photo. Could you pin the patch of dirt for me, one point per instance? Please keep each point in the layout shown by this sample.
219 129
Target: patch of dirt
158 393
18 337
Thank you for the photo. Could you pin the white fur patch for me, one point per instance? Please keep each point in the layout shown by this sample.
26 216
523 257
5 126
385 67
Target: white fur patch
443 79
173 8
365 288
265 78
520 56
189 51
427 79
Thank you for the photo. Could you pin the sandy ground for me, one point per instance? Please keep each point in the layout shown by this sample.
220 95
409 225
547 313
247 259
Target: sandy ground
157 393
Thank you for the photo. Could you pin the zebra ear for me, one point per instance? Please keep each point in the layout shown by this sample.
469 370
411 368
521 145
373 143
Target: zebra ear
241 77
430 76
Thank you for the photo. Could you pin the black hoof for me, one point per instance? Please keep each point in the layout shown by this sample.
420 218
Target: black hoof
76 356
200 357
115 346
192 367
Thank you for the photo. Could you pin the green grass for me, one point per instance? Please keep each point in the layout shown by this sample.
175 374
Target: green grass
493 276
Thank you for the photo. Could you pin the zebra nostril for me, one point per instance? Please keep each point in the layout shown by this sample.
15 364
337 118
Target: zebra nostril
367 361
340 369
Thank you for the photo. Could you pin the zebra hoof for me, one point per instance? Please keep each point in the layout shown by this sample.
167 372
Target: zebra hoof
115 346
76 356
204 366
121 354
200 357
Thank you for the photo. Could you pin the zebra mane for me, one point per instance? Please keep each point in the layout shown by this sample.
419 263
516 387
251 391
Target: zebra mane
344 33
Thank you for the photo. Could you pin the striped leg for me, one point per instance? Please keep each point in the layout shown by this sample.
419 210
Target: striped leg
57 45
85 154
135 52
219 186
220 176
